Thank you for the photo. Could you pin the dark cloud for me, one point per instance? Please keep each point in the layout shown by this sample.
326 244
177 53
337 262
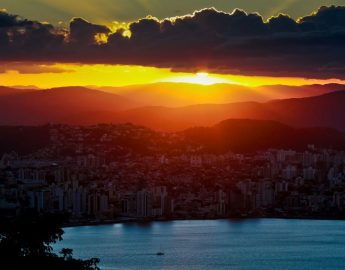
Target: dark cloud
282 23
22 39
237 43
326 19
9 20
83 32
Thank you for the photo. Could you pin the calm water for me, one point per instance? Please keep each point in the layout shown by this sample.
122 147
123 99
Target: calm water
217 244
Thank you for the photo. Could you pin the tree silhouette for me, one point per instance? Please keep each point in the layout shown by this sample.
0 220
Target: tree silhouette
67 253
25 243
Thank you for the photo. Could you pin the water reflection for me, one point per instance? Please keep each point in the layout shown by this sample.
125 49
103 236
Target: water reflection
215 244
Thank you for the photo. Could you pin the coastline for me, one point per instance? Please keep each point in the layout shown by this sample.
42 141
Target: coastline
232 218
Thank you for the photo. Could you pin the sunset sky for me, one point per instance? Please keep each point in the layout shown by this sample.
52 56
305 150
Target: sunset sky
119 75
117 42
107 11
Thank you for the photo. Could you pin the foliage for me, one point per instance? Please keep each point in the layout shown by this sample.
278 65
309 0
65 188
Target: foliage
25 243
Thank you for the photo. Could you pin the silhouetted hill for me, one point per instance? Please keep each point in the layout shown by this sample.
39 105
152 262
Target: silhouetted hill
321 111
185 94
238 135
171 119
252 135
5 91
327 110
286 92
78 105
40 107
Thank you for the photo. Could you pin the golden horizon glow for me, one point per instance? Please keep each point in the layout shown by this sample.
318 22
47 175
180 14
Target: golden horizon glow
124 75
202 78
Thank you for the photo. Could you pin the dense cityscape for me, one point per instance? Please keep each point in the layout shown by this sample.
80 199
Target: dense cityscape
108 173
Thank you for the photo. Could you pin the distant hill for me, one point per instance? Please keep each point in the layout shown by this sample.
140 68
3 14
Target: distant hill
184 94
53 105
5 91
251 135
238 135
327 110
321 111
170 119
26 87
286 92
79 105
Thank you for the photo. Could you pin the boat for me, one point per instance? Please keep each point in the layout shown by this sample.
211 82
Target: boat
160 252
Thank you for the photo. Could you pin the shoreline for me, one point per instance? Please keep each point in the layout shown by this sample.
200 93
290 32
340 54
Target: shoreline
233 218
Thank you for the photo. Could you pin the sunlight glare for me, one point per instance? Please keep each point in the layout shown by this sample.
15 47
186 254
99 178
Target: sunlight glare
202 78
57 75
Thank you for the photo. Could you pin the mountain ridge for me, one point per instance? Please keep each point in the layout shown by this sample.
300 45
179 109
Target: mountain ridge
80 105
251 135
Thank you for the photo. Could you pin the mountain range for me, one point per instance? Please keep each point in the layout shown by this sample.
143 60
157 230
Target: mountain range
320 106
35 107
327 110
185 94
5 91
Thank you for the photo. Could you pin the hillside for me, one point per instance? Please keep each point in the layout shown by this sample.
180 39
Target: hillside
251 135
184 94
238 135
327 110
5 91
78 105
40 107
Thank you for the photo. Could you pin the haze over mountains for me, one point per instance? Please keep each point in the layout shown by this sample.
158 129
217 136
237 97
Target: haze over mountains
185 94
327 110
312 106
53 105
4 91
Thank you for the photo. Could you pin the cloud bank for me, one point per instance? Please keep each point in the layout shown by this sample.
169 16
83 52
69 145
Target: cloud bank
236 43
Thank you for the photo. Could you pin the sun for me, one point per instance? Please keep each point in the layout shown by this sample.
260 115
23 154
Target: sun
202 78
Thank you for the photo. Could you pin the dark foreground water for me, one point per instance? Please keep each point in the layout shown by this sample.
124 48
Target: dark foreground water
216 244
